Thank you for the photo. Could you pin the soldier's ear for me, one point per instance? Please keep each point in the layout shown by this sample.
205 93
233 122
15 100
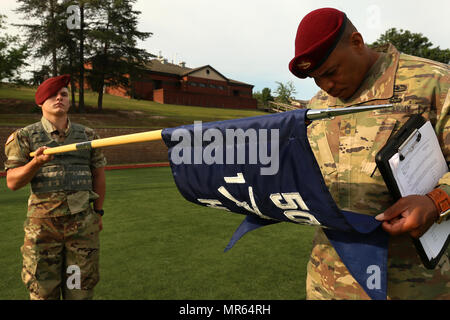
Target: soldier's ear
356 40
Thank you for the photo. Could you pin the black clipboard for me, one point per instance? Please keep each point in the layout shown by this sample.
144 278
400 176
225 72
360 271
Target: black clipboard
405 133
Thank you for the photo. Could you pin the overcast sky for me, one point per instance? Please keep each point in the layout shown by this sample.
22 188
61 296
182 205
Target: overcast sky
253 40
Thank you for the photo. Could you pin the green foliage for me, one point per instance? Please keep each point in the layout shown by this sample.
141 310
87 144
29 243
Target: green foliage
13 54
43 28
263 97
115 58
266 96
414 44
285 92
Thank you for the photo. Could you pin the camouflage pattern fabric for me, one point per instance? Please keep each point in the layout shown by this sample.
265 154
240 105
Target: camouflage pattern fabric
68 171
345 148
51 246
51 204
61 229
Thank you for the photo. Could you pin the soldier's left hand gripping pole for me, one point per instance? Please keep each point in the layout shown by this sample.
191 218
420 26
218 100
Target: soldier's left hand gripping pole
312 114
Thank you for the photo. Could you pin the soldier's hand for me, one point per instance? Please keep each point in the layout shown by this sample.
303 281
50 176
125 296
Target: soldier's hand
412 214
42 158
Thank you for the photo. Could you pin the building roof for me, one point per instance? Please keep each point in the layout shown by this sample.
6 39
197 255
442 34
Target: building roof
157 65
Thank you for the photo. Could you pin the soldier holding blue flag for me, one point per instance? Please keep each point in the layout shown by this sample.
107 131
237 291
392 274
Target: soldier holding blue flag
64 217
329 49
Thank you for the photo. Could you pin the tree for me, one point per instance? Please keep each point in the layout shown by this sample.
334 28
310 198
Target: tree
49 35
51 39
266 96
412 43
105 37
285 92
263 97
116 60
42 36
81 58
13 54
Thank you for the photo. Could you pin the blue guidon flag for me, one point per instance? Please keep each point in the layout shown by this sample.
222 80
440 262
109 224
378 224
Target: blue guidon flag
263 167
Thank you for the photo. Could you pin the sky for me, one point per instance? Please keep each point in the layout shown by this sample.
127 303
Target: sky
253 40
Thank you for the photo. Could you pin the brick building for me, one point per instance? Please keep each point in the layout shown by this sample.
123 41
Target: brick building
168 83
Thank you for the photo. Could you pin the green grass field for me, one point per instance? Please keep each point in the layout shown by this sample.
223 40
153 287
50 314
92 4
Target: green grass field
156 245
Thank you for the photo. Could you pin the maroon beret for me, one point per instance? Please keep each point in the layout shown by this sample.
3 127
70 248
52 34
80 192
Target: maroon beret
50 87
317 36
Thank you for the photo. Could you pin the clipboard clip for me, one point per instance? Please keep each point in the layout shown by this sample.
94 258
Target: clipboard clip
408 145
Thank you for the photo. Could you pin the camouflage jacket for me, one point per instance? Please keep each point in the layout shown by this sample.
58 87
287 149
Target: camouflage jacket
51 204
345 148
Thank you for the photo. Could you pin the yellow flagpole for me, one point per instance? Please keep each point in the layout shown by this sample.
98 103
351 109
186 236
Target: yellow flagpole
315 114
106 142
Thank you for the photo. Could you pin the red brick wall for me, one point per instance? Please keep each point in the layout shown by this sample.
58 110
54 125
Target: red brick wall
144 89
205 100
243 90
158 95
117 91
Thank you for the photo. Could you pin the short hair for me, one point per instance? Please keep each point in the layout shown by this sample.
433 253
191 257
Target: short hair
348 31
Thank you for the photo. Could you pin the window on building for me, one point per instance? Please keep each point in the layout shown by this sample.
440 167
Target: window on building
212 85
207 71
193 84
202 85
235 93
220 87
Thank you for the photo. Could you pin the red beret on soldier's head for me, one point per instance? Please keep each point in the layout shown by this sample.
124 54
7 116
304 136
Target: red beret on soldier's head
50 87
317 35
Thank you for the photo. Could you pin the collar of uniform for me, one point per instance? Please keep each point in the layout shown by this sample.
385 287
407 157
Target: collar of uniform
50 128
379 81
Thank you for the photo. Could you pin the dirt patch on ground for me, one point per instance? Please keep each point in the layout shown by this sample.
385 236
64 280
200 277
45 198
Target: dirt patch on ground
10 106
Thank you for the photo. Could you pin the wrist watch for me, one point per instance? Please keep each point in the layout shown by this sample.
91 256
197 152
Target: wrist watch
100 212
442 202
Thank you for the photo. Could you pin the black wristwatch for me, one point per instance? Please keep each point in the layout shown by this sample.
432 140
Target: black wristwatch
100 212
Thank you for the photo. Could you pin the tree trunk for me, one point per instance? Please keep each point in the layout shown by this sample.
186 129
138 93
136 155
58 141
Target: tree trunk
73 89
72 81
100 95
81 80
53 41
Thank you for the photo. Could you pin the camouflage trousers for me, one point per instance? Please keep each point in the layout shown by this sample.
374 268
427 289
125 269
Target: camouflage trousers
61 256
328 278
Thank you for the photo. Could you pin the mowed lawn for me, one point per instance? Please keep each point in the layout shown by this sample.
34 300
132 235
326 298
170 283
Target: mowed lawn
156 245
117 111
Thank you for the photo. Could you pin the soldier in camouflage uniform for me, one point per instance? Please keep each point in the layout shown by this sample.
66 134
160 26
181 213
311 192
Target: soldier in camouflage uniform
61 245
345 148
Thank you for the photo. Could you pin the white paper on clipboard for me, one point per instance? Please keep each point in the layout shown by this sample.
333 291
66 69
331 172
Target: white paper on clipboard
418 172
